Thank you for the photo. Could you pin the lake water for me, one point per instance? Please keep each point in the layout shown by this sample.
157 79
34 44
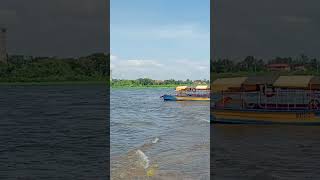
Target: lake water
53 132
275 152
264 151
59 132
169 140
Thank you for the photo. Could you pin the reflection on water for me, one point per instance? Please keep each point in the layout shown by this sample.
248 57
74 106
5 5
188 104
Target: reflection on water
157 139
265 152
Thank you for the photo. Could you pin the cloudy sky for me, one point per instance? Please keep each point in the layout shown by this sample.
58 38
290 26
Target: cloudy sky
54 27
160 39
266 28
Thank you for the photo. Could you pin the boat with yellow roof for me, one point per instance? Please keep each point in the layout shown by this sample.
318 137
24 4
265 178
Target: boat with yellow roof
266 100
187 93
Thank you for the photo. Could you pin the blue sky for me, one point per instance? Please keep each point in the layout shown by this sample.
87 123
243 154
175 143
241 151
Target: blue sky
160 39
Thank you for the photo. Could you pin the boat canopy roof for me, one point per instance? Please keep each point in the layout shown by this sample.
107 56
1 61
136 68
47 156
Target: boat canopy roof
256 80
181 88
189 88
293 81
250 83
225 84
315 81
202 87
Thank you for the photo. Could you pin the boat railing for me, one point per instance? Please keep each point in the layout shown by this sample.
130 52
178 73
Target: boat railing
195 93
281 100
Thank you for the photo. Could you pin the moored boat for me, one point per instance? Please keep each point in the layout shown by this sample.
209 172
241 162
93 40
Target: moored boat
187 93
267 100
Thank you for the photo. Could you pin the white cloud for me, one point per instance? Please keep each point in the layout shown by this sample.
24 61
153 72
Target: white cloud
176 69
8 17
200 65
112 57
183 31
133 63
143 63
296 19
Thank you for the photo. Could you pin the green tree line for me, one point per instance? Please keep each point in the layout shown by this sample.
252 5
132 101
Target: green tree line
253 64
142 82
94 67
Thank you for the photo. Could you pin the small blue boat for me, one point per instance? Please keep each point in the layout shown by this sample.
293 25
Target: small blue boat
169 97
185 93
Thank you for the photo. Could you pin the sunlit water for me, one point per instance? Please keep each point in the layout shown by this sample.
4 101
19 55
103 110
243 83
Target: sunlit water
157 138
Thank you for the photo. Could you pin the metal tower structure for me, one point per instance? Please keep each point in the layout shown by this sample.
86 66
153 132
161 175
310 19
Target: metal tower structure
3 45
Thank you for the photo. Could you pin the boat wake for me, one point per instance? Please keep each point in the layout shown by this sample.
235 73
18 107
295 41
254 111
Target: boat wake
206 120
143 159
155 140
136 163
149 144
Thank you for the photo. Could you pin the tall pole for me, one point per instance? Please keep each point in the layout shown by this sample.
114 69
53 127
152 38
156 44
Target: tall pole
3 45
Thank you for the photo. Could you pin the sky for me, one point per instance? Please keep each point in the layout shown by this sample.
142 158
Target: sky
160 39
266 29
63 28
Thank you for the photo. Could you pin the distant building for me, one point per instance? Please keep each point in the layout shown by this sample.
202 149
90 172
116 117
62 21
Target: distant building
278 67
198 82
3 45
299 67
158 81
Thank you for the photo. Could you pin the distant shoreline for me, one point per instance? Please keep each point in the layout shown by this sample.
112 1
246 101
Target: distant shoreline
88 83
56 83
150 86
243 73
151 83
92 83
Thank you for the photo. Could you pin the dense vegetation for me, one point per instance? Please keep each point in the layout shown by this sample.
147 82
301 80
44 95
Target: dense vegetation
251 64
143 82
94 67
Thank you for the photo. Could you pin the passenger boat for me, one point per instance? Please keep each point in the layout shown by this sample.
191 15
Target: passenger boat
266 100
187 93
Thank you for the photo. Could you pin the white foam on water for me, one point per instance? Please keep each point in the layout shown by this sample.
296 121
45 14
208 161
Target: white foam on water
143 159
206 120
155 140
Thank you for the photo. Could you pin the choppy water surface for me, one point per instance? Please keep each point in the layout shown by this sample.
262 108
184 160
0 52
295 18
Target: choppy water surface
53 132
164 140
265 152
